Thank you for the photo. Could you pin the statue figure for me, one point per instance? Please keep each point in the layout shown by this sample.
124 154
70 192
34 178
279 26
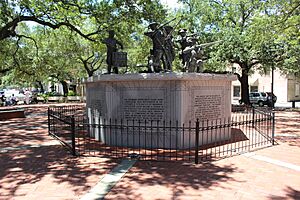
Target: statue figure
195 52
158 41
169 48
111 44
183 41
194 61
191 52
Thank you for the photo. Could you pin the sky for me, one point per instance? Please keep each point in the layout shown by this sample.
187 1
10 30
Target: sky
170 3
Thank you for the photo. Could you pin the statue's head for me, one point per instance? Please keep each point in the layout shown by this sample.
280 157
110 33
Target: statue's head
182 32
192 40
153 26
168 29
111 33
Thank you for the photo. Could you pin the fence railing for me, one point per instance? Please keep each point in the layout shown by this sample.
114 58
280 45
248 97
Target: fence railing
62 121
161 140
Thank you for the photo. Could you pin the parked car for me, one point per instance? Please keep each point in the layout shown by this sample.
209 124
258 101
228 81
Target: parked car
259 98
262 98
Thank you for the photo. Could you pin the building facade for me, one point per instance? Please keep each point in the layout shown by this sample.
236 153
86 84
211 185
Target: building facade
286 87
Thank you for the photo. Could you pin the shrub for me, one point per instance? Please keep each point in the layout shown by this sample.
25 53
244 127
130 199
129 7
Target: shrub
71 93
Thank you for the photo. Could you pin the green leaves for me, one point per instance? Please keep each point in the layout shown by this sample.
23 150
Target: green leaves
255 34
251 31
63 33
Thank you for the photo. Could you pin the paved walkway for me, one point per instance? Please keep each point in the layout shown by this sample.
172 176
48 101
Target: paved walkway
35 166
239 177
271 173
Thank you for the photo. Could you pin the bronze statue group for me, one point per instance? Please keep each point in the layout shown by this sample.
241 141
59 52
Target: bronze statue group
162 53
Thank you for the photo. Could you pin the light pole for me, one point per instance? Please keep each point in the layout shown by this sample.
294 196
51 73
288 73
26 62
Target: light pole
272 87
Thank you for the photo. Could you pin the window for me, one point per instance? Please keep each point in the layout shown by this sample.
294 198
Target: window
236 91
255 94
253 88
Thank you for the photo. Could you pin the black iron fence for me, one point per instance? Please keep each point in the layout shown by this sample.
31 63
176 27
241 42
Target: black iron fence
62 121
161 140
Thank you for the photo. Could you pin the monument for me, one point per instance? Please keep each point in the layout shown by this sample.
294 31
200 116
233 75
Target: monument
160 97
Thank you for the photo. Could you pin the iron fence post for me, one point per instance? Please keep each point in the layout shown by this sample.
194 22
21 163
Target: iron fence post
273 128
73 135
49 124
253 116
197 143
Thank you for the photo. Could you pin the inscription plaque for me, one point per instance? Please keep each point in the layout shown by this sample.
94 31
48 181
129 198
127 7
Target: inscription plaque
208 107
149 109
98 105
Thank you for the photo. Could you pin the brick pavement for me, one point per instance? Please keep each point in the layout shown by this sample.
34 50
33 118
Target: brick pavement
238 177
50 172
47 171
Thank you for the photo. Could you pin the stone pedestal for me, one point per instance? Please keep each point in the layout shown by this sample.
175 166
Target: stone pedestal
176 97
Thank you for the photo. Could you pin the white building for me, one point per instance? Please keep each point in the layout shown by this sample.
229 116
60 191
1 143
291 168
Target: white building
286 87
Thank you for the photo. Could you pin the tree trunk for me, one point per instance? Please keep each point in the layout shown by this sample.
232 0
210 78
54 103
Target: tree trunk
65 88
40 85
86 67
90 73
244 85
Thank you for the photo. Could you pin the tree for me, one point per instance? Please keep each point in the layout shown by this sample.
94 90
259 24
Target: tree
88 19
53 14
249 31
6 56
56 60
288 25
71 14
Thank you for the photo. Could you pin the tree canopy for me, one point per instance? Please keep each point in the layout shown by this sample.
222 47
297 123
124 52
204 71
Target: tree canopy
62 40
255 34
79 25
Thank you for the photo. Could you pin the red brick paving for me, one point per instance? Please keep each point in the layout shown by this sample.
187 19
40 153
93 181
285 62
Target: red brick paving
288 127
20 132
238 177
49 172
45 172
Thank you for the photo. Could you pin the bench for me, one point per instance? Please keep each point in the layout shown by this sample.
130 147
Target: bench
11 113
56 99
74 98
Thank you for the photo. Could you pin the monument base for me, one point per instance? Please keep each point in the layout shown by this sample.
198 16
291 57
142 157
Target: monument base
181 98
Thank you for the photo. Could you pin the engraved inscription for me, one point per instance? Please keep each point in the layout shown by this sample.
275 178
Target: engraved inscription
97 104
208 107
149 109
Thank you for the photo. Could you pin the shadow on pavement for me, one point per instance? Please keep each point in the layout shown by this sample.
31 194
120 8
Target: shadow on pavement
30 166
290 194
287 127
47 170
18 132
176 178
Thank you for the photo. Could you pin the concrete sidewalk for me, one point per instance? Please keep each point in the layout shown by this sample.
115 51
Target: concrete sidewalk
35 166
